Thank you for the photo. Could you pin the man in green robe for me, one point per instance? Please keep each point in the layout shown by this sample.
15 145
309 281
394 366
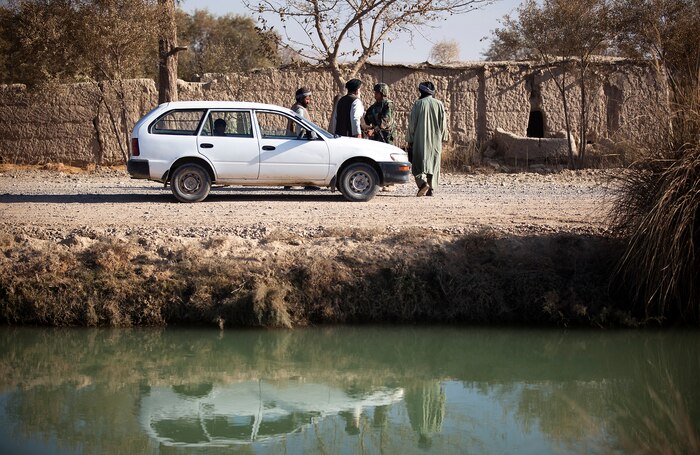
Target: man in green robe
427 130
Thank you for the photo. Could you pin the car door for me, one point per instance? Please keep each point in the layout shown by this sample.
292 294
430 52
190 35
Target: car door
289 151
227 140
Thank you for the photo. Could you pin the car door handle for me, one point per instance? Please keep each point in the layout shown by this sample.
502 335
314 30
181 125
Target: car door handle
206 145
268 147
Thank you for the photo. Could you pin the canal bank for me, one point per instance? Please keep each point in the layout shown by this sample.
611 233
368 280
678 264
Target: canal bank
98 249
283 280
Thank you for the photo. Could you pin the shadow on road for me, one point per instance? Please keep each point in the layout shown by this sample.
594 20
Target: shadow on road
217 195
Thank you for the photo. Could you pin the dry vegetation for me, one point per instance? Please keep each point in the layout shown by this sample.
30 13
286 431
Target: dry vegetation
482 278
658 209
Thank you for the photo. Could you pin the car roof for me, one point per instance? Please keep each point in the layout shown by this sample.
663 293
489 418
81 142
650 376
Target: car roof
223 105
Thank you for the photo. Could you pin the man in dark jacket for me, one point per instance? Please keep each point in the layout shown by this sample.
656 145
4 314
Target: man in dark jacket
348 111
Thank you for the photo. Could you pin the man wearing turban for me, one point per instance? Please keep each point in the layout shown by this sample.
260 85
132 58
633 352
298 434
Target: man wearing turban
427 130
348 111
301 108
303 100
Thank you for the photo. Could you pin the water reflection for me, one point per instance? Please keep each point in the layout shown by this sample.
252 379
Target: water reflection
345 390
425 404
248 411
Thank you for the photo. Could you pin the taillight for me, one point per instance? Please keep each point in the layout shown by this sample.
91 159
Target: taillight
135 147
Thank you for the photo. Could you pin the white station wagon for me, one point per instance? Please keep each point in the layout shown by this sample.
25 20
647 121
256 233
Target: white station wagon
196 144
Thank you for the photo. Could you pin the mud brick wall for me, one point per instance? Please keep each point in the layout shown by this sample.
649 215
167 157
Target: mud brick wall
89 123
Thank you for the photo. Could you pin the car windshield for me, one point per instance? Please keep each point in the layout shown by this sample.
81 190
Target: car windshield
318 128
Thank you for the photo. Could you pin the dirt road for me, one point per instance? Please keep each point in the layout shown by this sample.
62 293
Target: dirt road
108 201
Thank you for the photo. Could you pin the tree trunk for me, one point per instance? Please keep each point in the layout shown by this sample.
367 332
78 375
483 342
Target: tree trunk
167 51
583 120
567 120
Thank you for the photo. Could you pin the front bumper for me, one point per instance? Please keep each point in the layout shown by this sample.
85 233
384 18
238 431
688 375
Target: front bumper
395 172
138 169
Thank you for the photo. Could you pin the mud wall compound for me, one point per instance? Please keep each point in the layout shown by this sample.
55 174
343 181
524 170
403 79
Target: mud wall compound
89 123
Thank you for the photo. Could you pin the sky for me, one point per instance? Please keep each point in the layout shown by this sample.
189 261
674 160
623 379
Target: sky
467 29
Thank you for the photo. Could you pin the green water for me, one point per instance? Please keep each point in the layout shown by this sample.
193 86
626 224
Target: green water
348 390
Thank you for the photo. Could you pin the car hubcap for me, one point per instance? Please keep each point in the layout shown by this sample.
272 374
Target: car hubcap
190 183
359 182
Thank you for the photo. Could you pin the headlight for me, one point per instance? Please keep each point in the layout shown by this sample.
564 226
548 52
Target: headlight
399 156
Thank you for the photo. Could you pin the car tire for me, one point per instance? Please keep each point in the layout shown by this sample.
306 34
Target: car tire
359 182
190 183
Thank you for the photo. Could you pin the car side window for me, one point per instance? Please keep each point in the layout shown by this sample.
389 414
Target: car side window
277 126
228 123
181 122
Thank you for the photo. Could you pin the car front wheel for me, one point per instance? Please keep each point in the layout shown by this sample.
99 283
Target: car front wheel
359 182
190 183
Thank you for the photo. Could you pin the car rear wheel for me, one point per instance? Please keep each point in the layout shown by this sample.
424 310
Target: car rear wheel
359 182
190 183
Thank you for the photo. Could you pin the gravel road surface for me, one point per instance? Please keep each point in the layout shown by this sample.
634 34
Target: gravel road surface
108 201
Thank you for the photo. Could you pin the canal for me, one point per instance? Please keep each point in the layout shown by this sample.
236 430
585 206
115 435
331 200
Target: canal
348 390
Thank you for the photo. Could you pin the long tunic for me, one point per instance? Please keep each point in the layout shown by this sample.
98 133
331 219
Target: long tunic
427 130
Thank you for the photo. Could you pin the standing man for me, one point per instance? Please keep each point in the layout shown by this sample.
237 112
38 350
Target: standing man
301 108
380 116
303 100
427 130
348 111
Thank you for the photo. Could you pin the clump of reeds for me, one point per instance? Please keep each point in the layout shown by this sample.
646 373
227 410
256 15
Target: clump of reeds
657 206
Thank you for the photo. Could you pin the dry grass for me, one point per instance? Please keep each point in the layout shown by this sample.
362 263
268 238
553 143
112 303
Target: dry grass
658 207
556 280
87 168
460 159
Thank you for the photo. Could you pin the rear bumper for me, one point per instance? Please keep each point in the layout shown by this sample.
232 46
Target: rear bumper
395 172
138 169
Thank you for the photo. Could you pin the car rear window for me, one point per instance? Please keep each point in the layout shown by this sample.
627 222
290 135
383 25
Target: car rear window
181 122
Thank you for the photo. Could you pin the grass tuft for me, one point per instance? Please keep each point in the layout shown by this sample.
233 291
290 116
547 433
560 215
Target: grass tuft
657 207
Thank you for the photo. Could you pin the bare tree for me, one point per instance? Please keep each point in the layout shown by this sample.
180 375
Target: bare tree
563 35
506 43
337 32
445 52
664 31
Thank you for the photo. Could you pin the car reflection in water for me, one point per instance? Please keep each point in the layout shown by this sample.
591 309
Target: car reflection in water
215 415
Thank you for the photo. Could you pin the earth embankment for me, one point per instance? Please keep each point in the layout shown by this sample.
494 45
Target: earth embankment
101 249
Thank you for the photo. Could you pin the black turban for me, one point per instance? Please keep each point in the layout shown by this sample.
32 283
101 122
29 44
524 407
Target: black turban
353 84
427 87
